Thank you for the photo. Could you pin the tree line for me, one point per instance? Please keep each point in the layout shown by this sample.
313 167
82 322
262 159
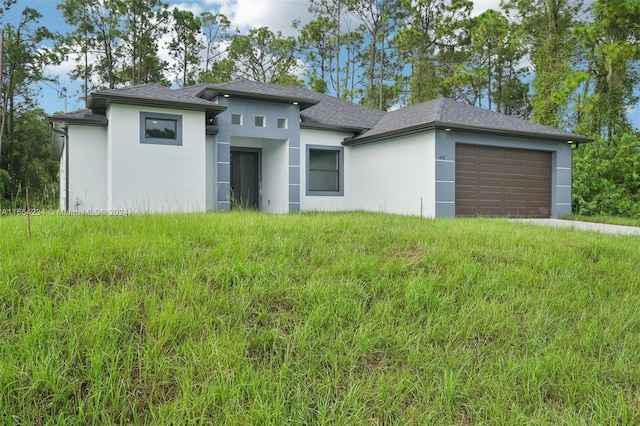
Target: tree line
571 64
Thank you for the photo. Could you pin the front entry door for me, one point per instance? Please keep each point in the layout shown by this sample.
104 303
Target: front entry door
245 179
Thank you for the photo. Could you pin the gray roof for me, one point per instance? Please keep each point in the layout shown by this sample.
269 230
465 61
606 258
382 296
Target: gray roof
322 111
85 116
448 114
317 109
151 94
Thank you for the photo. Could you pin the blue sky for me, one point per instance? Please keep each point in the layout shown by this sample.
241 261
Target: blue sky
244 14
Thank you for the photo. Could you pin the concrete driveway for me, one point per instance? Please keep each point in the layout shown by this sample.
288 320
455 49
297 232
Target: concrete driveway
587 226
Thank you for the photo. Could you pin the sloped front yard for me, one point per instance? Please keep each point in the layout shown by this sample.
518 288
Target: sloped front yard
245 318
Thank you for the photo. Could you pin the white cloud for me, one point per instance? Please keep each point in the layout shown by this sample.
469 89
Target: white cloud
277 15
480 6
193 7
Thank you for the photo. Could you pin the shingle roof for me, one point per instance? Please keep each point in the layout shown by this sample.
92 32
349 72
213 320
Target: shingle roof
82 116
317 110
447 113
149 94
323 111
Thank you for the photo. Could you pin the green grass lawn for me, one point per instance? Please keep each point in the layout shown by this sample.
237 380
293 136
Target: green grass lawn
247 318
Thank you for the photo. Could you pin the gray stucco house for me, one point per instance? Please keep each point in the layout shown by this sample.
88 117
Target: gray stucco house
287 149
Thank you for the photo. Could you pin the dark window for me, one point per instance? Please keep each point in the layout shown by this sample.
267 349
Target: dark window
325 170
161 129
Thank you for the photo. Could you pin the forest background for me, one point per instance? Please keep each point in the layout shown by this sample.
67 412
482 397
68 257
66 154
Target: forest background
569 64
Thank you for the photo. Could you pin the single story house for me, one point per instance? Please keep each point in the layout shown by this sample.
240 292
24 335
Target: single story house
282 149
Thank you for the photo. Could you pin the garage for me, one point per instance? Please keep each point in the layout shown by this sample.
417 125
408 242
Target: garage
494 181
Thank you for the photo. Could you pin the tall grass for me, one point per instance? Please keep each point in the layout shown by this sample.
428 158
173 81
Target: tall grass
246 318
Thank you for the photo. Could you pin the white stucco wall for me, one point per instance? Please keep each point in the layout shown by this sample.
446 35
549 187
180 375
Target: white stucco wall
275 183
152 177
396 175
324 202
62 178
87 169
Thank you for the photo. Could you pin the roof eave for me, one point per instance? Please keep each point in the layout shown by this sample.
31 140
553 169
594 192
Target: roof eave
98 102
569 138
386 135
302 102
78 121
331 127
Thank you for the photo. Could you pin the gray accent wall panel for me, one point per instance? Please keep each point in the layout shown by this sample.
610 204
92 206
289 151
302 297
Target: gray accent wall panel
445 209
224 189
223 151
224 172
249 109
271 111
224 206
445 191
294 175
564 176
445 170
564 193
294 156
560 167
223 175
294 194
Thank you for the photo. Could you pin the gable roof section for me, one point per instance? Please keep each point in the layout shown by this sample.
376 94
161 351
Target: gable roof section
254 90
316 109
445 113
150 94
84 116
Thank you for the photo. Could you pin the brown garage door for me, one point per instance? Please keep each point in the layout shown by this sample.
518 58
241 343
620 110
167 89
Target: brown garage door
502 182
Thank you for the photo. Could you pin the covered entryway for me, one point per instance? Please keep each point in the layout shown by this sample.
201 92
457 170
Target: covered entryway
493 181
258 173
245 178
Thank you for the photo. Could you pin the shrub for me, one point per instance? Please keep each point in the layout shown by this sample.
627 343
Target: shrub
607 178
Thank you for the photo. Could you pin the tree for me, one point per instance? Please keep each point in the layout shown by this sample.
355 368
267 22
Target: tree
5 5
547 28
608 75
28 158
94 41
215 29
264 56
606 177
431 27
328 33
316 41
378 18
22 148
185 46
488 71
23 60
144 22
